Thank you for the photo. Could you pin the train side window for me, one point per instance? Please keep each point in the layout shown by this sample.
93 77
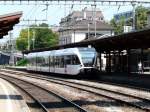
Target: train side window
53 61
46 61
67 59
30 61
33 61
61 61
37 61
49 61
64 60
56 61
75 60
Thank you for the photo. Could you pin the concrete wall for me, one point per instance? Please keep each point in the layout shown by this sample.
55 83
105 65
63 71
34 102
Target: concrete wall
77 37
71 36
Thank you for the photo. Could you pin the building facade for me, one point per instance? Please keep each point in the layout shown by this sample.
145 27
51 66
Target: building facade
82 25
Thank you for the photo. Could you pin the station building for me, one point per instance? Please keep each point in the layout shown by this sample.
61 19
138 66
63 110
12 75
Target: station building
80 25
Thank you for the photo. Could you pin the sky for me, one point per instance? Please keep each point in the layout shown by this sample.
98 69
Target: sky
56 10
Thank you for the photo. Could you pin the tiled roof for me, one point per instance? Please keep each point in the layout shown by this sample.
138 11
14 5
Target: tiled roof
83 25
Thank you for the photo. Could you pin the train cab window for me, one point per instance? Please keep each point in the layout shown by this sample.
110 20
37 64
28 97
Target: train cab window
88 58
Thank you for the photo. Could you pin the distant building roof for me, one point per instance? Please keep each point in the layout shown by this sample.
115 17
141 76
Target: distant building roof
7 22
83 25
84 14
88 13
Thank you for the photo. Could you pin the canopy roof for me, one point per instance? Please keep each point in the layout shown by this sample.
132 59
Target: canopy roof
132 40
7 22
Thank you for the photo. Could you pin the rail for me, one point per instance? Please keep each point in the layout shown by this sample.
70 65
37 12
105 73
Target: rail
110 93
80 109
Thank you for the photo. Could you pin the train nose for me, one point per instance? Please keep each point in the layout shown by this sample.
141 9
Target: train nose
86 70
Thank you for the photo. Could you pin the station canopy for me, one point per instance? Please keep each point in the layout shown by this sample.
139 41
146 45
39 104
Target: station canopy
131 40
7 22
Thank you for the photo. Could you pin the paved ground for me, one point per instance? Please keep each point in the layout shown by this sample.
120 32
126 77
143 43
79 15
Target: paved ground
10 99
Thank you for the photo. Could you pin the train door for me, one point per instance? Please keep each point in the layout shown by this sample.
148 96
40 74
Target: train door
73 65
65 65
53 64
49 63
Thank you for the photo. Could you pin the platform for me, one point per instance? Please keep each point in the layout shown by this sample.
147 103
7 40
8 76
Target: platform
133 79
10 99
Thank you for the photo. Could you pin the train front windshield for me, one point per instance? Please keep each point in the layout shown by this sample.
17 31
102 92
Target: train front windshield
88 56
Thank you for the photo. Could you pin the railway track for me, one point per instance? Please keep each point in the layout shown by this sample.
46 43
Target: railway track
48 100
30 99
130 99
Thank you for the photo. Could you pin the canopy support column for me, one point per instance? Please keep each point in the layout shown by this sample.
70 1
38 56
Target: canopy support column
100 60
128 60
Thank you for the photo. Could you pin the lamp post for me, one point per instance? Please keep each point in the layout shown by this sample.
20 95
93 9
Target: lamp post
33 39
28 36
94 17
89 29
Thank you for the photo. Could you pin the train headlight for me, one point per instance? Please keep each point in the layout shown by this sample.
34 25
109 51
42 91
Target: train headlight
81 70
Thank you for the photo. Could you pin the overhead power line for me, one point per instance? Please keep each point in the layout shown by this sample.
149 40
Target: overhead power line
76 2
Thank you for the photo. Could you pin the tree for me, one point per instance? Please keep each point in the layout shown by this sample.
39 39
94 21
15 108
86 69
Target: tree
45 37
118 27
141 20
40 37
141 17
22 42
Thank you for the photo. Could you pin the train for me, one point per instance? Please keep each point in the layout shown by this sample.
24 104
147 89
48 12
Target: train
70 61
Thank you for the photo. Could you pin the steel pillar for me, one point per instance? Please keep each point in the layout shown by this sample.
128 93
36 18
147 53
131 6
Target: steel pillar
100 61
128 60
109 62
142 60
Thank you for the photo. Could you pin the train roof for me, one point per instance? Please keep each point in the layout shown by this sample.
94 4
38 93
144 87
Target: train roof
67 51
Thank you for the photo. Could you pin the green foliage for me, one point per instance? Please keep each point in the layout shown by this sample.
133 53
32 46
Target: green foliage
21 42
45 37
118 27
141 17
39 37
22 62
141 20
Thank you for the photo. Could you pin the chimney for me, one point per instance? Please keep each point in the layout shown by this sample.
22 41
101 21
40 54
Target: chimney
84 12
